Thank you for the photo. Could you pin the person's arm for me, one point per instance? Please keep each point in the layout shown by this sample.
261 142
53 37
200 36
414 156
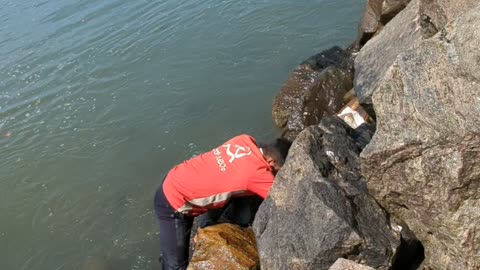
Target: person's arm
261 183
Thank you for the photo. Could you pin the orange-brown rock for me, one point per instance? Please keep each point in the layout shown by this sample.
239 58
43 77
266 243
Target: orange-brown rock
225 246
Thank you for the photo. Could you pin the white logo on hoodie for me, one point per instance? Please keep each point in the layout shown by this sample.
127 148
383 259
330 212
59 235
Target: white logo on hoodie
240 152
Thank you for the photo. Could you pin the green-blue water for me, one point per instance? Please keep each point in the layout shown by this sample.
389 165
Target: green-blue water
98 99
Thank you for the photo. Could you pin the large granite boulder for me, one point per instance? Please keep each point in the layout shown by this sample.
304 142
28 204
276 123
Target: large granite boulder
226 247
313 90
423 164
377 13
379 53
318 209
421 19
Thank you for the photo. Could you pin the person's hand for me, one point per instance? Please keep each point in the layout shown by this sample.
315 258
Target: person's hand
195 239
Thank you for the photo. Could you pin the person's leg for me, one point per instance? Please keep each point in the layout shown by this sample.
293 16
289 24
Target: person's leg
174 234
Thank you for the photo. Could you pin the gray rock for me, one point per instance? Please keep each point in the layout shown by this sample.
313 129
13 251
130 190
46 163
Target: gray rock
380 52
318 209
313 90
377 14
419 20
391 8
370 22
423 163
344 264
440 12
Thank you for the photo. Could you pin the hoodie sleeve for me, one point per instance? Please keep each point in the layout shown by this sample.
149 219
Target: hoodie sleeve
261 183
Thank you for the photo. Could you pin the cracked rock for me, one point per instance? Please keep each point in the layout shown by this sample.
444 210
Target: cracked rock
318 209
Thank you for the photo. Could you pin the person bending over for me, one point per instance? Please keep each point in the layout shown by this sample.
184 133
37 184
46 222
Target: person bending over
208 182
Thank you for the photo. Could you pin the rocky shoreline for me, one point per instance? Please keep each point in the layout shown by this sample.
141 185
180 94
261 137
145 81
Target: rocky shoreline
402 192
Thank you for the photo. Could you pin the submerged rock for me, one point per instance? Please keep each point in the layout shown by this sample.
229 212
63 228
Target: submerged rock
314 89
318 209
423 164
225 246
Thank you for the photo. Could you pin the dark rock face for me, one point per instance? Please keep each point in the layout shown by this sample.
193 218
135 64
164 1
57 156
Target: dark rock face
226 247
318 209
314 89
419 20
423 162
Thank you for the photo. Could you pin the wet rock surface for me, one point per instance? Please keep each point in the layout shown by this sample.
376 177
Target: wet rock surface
318 209
423 162
225 246
314 89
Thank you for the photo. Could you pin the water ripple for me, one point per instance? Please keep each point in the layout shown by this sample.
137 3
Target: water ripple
98 99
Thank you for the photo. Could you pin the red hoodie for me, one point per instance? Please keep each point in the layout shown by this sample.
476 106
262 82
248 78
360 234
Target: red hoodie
236 168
